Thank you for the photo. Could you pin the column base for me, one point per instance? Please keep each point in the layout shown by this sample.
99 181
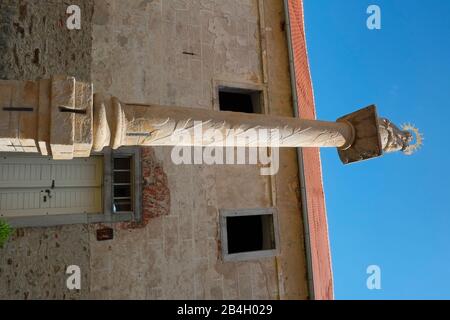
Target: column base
367 142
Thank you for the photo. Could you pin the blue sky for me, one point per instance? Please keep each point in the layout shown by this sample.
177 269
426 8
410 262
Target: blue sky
393 211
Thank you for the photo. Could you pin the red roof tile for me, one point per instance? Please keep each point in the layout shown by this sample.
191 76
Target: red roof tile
320 248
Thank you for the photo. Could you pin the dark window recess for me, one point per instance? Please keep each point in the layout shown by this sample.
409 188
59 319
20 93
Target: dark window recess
122 177
122 191
239 100
123 206
122 184
122 163
250 233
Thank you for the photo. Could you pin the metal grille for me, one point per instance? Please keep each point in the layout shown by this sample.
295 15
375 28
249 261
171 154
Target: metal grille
123 184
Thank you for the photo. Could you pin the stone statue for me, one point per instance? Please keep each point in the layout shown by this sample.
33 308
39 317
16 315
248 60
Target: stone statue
395 139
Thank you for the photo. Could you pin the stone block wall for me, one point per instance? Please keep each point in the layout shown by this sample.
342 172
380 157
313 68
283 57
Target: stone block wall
169 52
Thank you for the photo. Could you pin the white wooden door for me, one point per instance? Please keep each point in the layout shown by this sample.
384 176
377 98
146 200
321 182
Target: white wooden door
31 186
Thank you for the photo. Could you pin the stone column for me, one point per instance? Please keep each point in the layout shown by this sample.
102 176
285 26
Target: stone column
118 124
61 117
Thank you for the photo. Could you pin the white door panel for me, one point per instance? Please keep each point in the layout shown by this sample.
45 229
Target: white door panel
32 186
23 172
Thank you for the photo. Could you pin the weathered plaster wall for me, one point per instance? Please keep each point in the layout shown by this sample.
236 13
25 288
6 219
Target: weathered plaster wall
33 263
292 263
172 52
176 255
35 42
317 215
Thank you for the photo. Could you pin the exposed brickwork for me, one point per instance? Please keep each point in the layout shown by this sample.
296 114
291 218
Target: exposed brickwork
320 249
155 189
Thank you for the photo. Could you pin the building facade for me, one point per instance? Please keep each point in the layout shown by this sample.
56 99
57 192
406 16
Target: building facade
138 225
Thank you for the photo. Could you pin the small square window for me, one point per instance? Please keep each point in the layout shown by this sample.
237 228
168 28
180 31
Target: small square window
122 184
248 234
239 100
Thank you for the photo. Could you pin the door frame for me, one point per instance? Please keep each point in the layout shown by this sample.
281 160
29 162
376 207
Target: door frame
107 216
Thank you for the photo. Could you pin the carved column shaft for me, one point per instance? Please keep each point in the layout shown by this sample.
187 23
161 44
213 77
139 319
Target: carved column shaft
61 117
117 124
